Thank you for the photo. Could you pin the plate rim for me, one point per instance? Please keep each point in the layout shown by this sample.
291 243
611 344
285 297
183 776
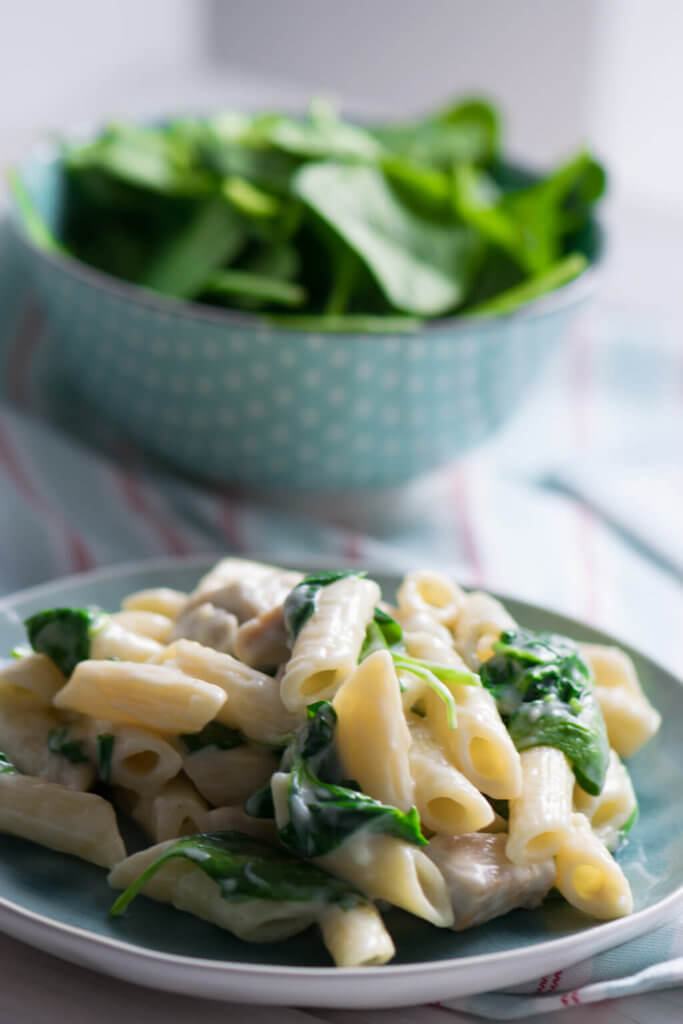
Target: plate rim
565 950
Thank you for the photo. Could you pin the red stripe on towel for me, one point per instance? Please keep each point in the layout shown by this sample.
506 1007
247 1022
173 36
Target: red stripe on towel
80 558
556 981
21 356
465 524
138 502
230 524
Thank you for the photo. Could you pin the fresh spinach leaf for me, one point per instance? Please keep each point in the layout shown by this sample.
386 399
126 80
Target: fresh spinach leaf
511 299
105 751
254 288
544 692
31 218
214 734
63 634
300 603
58 742
213 236
467 132
422 268
248 869
324 814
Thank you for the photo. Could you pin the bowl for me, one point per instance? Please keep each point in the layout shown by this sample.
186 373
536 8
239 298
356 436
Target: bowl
227 397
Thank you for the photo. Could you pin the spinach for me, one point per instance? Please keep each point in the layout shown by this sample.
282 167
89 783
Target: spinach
384 633
300 603
260 803
105 750
512 298
58 742
6 766
248 869
544 692
422 268
254 289
628 824
388 223
63 634
214 734
324 814
183 264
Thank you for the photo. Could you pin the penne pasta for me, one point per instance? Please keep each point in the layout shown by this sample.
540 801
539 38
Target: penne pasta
82 824
615 807
229 776
447 802
34 676
162 600
372 737
540 817
481 621
385 868
327 648
426 591
356 937
629 717
252 701
176 810
157 697
588 876
143 622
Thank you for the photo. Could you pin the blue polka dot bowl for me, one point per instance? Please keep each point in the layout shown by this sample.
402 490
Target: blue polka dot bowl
226 397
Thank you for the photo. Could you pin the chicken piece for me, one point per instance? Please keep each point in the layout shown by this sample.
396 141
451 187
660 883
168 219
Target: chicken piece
482 882
262 642
209 626
243 588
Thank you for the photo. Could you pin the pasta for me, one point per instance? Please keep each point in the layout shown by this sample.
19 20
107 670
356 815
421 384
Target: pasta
251 698
616 807
588 876
327 648
630 718
82 824
373 739
299 752
157 696
540 817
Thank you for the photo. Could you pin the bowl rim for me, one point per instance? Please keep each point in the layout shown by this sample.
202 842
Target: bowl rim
46 150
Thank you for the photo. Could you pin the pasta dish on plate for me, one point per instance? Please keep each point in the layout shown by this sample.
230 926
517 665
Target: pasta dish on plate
298 751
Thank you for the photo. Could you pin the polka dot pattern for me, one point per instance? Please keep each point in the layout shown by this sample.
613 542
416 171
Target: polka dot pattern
231 400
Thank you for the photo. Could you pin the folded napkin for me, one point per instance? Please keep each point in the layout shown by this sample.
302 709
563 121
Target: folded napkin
582 516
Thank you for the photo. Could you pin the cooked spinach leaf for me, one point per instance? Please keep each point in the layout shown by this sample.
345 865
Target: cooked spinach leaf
248 869
384 633
6 766
214 734
301 601
105 751
544 692
324 814
59 742
63 634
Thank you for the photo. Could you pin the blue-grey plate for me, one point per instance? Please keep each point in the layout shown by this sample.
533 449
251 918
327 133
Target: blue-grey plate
59 904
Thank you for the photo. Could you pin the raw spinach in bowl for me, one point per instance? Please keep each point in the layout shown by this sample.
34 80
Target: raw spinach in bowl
319 223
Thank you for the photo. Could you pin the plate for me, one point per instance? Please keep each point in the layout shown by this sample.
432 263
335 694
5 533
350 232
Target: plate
59 904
